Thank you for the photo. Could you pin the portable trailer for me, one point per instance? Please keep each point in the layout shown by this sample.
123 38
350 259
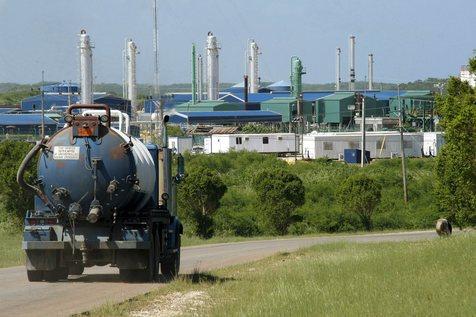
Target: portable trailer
102 197
383 144
279 143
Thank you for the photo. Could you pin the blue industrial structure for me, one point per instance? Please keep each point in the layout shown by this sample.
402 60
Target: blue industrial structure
61 88
354 156
224 117
59 101
26 124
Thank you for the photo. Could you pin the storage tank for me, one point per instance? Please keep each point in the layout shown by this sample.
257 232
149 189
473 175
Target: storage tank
95 176
86 67
212 67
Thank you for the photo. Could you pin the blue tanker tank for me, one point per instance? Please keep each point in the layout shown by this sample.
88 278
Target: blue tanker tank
103 198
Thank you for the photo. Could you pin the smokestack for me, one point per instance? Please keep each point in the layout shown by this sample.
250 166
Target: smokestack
352 63
371 71
131 75
194 76
338 79
86 68
245 87
199 77
254 67
212 67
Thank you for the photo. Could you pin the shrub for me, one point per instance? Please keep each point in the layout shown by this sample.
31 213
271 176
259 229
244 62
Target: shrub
14 200
279 194
360 194
199 197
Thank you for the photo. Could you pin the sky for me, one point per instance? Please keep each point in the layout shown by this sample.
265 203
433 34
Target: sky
410 39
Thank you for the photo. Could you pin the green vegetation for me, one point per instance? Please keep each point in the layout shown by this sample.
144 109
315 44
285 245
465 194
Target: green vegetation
387 279
456 162
14 98
199 199
14 200
361 195
241 210
279 193
11 253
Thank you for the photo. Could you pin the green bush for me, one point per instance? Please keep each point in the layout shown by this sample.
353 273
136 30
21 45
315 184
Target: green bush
14 200
279 194
199 197
241 212
360 194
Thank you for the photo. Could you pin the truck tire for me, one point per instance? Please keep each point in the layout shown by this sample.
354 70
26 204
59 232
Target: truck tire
76 269
134 275
171 266
59 273
34 275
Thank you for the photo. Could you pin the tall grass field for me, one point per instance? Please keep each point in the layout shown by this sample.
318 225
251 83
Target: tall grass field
426 278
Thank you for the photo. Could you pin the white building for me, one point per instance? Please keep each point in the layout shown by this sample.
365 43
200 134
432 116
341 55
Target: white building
180 144
383 144
465 75
432 141
262 143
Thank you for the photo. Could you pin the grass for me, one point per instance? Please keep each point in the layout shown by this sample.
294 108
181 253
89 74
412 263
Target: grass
11 253
427 278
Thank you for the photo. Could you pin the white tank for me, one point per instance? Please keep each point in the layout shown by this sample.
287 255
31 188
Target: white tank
338 78
352 63
131 74
254 67
86 68
212 67
199 77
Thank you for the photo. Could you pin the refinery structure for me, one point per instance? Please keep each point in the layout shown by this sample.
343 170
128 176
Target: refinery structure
283 106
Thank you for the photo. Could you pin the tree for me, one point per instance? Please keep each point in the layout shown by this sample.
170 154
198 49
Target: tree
360 194
199 197
456 163
279 194
14 200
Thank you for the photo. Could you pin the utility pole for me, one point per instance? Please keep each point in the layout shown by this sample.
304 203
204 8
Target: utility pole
69 93
363 157
42 104
158 102
400 125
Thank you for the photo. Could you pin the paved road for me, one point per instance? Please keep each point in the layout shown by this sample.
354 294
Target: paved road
101 285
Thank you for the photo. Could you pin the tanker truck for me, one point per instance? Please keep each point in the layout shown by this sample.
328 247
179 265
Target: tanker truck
102 197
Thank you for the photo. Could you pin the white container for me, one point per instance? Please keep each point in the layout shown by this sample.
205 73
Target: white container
380 144
180 144
280 143
432 141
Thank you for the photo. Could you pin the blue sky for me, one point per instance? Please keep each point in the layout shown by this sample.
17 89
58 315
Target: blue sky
409 39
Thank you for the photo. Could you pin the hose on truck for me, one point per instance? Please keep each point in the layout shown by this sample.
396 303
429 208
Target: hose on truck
21 173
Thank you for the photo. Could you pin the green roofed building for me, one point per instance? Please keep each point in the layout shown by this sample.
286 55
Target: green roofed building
339 108
286 106
210 105
414 103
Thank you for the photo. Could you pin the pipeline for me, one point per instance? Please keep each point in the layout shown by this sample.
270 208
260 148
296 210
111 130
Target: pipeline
21 171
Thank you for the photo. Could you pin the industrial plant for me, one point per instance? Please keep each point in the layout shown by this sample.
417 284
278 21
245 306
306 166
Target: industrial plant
323 123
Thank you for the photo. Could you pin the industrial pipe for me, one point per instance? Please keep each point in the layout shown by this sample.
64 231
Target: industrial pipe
21 173
245 87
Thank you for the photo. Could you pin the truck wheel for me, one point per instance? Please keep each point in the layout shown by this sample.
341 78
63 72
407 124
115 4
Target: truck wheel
34 276
170 267
59 273
76 269
134 275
